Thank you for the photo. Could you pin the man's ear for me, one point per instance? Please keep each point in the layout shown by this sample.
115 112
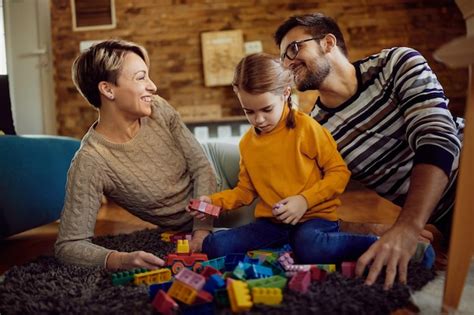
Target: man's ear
328 42
106 89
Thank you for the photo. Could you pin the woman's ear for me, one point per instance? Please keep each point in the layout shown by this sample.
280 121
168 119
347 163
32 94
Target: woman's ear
105 88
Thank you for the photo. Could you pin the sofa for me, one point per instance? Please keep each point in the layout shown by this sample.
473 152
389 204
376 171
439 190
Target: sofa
33 172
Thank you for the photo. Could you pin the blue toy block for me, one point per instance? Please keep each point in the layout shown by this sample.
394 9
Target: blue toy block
232 260
258 271
154 288
213 283
198 309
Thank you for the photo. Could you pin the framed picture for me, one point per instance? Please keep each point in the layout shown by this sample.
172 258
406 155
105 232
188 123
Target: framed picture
221 52
92 15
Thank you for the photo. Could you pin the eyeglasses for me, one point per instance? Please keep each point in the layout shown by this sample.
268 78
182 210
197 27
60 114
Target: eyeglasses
293 48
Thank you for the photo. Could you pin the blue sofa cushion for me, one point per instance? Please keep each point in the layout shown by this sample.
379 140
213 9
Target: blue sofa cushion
33 172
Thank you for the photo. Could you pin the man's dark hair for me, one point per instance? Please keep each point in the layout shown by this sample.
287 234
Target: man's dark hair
317 25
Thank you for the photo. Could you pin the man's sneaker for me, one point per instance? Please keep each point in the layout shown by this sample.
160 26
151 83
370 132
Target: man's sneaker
424 255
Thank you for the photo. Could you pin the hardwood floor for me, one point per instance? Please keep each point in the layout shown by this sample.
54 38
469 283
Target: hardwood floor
358 206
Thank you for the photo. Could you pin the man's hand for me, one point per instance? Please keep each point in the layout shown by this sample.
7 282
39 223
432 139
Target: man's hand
195 245
197 214
291 209
394 250
138 259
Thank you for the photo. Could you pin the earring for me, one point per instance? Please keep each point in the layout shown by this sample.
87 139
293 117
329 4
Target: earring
111 97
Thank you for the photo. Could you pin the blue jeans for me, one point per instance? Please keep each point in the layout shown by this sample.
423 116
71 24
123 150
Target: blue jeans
315 241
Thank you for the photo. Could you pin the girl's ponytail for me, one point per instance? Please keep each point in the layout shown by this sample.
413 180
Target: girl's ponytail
290 119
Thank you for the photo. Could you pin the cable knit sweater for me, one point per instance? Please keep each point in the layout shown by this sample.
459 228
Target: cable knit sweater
153 176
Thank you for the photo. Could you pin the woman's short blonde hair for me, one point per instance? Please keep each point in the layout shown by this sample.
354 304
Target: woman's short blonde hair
102 62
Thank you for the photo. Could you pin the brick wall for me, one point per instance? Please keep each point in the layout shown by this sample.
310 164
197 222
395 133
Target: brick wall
170 30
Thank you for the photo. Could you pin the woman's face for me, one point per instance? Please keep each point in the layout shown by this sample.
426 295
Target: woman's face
134 89
264 110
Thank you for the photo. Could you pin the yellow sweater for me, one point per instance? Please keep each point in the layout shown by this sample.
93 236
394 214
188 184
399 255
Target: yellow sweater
287 162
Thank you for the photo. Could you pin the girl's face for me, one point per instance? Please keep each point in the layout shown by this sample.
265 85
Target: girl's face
264 110
134 89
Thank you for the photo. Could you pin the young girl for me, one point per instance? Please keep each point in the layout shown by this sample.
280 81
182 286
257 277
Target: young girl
292 165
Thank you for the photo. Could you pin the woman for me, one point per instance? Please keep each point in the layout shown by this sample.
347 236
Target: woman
138 154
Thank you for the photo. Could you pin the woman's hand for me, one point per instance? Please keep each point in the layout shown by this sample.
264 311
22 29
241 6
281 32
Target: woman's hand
291 209
197 214
195 245
138 259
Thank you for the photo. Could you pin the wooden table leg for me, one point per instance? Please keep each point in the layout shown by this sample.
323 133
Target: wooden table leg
462 236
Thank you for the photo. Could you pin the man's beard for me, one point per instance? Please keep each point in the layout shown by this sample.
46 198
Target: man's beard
313 79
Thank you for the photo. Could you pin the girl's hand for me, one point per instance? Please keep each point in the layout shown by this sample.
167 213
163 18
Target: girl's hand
197 214
138 259
291 209
195 245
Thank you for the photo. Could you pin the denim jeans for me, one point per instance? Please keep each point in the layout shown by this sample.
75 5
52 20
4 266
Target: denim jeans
315 241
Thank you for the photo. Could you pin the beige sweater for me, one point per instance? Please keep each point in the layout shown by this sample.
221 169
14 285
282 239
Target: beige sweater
153 176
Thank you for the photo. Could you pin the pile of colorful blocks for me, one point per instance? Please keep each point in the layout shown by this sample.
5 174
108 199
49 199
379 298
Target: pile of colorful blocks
236 280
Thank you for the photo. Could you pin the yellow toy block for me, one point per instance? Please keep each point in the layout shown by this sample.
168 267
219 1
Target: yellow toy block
166 236
269 296
182 247
239 296
152 277
182 292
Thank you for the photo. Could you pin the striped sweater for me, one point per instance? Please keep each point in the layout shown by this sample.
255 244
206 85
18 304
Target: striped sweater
397 118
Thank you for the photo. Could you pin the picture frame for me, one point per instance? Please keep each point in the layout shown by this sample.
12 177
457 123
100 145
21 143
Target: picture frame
221 52
93 15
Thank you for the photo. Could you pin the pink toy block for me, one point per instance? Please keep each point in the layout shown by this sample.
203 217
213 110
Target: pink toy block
194 280
318 274
204 207
348 268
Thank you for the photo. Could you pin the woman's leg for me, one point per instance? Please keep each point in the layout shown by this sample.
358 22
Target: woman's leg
257 235
225 158
319 241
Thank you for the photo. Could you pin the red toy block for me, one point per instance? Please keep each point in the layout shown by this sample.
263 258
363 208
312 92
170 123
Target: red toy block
318 274
348 268
209 271
204 207
300 282
164 303
203 297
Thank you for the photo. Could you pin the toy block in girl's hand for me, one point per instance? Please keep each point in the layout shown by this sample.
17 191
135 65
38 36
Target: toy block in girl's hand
207 208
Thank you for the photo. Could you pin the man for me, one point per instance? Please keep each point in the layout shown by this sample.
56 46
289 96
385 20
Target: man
389 116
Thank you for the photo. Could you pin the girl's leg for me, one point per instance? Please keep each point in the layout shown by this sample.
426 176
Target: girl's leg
257 235
319 241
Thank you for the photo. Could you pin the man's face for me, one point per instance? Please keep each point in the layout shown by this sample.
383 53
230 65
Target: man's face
310 65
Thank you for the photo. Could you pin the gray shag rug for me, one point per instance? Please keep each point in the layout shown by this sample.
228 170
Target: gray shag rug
45 286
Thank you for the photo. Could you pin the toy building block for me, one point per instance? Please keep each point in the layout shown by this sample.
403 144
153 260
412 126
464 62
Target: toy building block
271 282
221 296
239 271
276 267
239 296
180 236
151 277
318 274
194 280
258 271
203 297
300 282
217 263
286 260
208 271
166 236
213 283
204 207
154 288
348 268
182 292
124 277
231 260
179 261
182 247
164 304
269 296
328 267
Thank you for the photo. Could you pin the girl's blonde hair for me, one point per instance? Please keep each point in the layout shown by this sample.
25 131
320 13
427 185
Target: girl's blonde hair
261 73
102 62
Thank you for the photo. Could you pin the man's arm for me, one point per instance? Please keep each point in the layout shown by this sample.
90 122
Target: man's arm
395 248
